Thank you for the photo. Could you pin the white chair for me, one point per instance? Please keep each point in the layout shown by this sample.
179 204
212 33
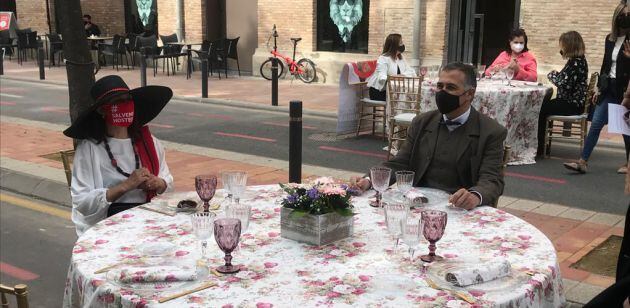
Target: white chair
404 95
370 110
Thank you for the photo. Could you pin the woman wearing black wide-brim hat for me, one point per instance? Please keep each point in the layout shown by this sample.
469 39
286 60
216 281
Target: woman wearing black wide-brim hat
118 164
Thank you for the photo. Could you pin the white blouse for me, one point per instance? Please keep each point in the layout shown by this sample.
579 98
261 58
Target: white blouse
615 54
93 173
386 66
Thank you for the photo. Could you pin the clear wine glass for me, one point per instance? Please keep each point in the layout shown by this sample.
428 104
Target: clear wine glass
225 179
238 184
380 181
509 74
481 69
433 225
241 212
227 232
404 181
411 231
202 224
423 71
394 214
206 186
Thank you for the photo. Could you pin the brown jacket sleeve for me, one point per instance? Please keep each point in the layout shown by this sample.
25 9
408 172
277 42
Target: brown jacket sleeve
490 183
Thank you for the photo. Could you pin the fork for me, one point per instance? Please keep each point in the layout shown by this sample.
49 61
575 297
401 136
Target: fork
465 296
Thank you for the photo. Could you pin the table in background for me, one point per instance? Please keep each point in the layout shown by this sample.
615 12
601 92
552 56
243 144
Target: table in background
359 271
188 55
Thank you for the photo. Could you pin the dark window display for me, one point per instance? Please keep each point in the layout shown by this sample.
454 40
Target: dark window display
342 25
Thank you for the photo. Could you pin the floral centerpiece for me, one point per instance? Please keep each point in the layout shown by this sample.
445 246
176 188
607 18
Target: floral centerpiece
317 213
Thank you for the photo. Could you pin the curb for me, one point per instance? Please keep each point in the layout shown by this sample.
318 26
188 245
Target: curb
215 101
35 187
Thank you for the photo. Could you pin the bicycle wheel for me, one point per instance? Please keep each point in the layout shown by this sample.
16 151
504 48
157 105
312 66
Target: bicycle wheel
309 73
265 69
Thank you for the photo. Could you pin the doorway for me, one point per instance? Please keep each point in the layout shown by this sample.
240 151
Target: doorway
478 29
215 20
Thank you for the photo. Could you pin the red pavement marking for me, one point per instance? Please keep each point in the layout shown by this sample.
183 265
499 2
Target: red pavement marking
161 125
211 116
55 110
17 272
7 104
326 148
245 137
287 125
535 178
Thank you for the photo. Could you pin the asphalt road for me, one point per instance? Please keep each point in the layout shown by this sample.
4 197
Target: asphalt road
265 133
35 249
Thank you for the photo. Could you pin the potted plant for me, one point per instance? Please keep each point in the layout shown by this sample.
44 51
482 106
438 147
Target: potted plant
318 213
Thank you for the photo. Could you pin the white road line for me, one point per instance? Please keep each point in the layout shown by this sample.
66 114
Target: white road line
11 95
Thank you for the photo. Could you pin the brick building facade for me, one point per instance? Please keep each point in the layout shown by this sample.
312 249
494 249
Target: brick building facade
253 21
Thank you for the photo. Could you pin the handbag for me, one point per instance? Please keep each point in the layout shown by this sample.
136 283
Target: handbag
603 82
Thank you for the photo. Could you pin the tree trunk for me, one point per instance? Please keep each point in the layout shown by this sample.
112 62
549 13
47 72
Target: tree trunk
79 65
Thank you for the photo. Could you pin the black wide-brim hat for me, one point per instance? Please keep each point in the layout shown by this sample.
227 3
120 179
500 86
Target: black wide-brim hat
148 103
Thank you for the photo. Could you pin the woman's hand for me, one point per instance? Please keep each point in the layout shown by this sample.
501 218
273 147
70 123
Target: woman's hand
514 66
595 97
154 183
137 178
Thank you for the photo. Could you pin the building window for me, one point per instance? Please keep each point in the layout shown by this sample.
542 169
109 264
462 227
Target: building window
342 25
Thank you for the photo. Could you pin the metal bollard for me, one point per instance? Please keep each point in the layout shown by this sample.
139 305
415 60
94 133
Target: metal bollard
204 78
143 71
2 61
40 62
274 81
295 142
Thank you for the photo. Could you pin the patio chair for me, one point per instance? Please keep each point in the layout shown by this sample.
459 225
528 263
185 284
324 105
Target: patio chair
403 106
218 57
116 50
7 43
132 47
370 110
20 292
56 47
67 157
570 127
150 50
232 53
200 54
171 52
27 41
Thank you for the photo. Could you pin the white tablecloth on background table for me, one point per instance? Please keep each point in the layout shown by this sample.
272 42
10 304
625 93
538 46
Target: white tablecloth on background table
515 107
359 271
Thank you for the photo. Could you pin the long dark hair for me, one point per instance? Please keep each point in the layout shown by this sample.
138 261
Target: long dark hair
516 33
614 33
390 48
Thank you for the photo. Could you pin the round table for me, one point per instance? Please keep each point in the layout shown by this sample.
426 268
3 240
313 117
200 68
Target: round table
515 107
363 270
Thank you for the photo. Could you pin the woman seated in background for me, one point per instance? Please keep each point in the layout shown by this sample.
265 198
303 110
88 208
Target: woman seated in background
390 62
516 57
118 164
571 82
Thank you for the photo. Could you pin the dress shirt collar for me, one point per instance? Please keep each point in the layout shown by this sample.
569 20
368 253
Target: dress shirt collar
461 120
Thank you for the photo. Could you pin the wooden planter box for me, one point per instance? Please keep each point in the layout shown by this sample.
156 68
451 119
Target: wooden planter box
315 229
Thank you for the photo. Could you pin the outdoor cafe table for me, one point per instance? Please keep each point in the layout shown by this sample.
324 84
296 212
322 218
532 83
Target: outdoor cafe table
360 271
515 107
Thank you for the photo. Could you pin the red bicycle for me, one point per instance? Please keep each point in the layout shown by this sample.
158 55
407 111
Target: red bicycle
303 68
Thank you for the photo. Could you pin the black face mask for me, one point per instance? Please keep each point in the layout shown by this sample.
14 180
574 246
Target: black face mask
446 102
401 48
623 21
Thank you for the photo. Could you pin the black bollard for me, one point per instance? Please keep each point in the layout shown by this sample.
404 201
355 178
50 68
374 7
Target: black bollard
274 81
2 51
295 142
143 71
40 62
204 78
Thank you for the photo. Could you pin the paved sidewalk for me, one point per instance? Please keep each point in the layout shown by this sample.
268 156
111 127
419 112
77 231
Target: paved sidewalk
573 232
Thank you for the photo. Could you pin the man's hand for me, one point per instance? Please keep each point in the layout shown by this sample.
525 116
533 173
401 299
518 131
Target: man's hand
362 184
464 199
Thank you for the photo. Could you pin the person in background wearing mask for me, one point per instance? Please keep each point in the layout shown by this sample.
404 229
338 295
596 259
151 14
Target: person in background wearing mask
613 80
118 164
390 62
571 82
90 28
516 57
454 148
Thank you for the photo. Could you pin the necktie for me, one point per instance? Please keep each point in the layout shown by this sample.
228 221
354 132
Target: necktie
451 123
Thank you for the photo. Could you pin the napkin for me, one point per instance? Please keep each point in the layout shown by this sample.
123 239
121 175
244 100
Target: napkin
416 197
478 273
157 274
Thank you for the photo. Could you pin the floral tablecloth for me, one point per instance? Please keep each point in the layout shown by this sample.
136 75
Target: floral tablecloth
363 270
516 107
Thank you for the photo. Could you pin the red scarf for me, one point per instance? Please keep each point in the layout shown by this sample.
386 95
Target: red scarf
148 155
